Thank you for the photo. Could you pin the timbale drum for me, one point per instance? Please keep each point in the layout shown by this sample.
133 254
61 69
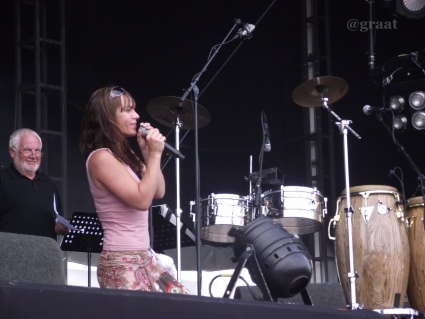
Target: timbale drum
299 209
221 212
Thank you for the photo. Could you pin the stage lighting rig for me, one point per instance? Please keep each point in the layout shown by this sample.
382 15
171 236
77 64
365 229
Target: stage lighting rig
403 82
407 102
410 9
277 261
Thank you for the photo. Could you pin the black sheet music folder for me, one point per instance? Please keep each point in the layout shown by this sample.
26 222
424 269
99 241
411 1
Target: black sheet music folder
88 237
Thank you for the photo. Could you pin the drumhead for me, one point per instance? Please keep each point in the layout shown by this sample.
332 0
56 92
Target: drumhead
415 201
292 189
373 188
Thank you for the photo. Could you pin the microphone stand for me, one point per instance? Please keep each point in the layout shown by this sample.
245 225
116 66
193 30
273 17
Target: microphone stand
421 176
344 128
195 90
371 36
178 210
258 189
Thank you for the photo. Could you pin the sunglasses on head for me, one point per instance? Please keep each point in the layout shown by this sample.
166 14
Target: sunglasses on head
115 92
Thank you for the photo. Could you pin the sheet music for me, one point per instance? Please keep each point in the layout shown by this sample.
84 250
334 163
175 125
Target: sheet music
60 218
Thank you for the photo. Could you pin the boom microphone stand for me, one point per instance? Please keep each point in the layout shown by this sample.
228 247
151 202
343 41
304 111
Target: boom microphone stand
317 92
344 128
193 88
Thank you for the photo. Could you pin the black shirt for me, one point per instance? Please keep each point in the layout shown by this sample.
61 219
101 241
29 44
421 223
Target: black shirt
26 206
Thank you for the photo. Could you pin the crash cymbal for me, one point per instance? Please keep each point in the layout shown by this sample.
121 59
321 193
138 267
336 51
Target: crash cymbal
310 92
165 110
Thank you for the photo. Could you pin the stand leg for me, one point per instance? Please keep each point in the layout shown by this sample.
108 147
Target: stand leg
248 253
349 212
306 297
89 269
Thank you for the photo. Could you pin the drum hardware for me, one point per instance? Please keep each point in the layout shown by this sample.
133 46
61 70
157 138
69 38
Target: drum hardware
366 212
319 92
257 185
270 176
325 209
170 111
399 211
382 209
334 220
410 221
255 190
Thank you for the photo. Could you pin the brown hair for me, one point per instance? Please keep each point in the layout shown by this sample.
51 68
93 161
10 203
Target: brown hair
99 129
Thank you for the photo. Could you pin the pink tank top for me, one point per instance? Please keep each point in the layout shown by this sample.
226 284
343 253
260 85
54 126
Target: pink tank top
124 227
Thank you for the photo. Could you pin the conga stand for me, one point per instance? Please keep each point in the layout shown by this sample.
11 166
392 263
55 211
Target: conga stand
344 128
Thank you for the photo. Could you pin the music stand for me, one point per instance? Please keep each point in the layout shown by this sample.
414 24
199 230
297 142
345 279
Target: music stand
164 230
88 238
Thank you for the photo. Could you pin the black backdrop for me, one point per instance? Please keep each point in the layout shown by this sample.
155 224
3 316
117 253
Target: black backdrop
154 48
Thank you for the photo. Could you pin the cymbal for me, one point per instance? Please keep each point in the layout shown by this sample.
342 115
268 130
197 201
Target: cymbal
165 110
310 92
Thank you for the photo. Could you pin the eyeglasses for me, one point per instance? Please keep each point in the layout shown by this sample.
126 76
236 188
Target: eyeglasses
115 92
28 152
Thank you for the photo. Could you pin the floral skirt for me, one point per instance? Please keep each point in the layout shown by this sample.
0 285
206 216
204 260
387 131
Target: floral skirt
135 270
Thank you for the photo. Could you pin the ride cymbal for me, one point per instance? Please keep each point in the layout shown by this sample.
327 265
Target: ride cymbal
166 109
311 92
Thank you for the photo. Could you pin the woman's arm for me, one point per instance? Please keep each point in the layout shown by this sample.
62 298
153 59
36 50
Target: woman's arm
109 174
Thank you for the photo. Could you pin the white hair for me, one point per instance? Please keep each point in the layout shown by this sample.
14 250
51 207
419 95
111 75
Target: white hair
16 136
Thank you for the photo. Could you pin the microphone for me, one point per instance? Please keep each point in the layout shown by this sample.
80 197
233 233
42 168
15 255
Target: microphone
171 150
267 145
245 31
368 110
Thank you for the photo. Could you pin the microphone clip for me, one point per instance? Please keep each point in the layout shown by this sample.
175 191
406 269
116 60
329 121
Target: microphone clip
245 32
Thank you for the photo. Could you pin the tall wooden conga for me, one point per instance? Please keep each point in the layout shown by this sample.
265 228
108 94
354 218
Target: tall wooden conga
416 233
380 244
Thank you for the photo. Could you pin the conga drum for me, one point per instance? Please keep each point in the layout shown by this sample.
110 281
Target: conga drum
380 246
416 234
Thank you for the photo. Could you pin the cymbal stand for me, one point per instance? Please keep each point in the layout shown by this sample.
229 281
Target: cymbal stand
344 128
178 124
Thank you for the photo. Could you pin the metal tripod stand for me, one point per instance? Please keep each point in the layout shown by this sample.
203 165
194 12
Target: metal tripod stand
344 128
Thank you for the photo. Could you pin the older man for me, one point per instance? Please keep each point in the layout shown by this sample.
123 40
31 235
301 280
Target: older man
28 197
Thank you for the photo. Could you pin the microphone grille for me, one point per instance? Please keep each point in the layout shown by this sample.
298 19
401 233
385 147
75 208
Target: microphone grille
249 27
366 109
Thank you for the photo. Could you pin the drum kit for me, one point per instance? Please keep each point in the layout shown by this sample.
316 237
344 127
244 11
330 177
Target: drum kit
379 241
